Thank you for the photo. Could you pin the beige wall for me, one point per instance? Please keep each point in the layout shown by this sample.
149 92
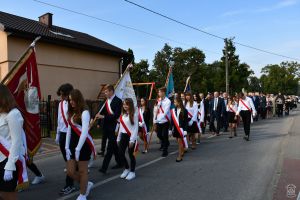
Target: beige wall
57 65
3 54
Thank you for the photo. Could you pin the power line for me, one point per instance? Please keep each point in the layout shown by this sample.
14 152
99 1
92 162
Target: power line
120 25
208 33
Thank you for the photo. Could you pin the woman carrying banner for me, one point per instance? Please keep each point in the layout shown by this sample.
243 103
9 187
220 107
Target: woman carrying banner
79 143
232 108
127 137
62 127
192 127
246 110
144 119
179 116
12 151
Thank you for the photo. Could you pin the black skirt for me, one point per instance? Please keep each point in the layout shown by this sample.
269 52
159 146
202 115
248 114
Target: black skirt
231 117
193 129
85 152
7 186
176 134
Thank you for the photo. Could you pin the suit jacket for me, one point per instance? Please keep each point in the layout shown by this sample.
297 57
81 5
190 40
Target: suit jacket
110 121
220 107
256 101
263 102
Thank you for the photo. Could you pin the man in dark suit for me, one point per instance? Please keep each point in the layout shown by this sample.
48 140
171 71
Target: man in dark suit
110 116
256 101
216 110
225 115
263 106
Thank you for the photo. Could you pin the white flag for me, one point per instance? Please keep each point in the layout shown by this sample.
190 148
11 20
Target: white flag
125 88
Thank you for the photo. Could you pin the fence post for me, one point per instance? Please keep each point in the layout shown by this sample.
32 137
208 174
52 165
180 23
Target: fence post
49 125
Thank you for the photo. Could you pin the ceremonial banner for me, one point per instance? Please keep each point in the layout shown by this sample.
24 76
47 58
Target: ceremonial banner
170 84
23 82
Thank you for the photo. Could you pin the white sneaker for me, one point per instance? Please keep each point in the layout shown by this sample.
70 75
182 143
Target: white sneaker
125 173
130 176
89 188
65 170
38 180
81 197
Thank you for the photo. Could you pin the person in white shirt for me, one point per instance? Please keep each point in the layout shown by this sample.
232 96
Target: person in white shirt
246 110
62 127
231 109
192 128
127 137
11 143
79 144
162 120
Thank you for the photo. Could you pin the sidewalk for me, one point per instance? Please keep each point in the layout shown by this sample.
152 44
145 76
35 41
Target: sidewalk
288 185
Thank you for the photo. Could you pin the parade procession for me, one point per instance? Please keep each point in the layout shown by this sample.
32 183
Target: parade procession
82 119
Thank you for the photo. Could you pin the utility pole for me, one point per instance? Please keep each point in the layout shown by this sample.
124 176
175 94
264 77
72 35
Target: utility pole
226 65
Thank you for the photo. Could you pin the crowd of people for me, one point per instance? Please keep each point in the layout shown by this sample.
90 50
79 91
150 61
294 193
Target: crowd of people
186 117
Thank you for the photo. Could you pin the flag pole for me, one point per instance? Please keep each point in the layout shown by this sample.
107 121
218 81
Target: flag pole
32 45
186 84
116 85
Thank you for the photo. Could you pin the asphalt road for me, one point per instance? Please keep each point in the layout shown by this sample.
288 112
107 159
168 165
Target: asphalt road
219 169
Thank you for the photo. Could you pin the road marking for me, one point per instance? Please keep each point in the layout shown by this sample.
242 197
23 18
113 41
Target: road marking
117 176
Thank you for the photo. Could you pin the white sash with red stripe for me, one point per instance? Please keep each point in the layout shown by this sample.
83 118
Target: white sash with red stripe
136 146
20 164
178 128
230 108
144 127
198 124
89 138
108 108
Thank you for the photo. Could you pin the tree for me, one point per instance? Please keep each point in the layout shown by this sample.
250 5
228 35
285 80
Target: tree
238 73
283 78
128 59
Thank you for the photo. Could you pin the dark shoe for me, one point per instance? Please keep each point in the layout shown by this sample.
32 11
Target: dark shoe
230 137
117 167
235 135
67 190
101 153
178 160
165 154
102 171
161 148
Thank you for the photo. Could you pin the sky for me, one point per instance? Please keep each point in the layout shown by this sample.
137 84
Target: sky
272 25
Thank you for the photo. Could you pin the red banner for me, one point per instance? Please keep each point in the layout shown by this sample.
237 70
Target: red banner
23 82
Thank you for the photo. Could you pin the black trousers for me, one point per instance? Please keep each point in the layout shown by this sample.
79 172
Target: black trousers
225 121
246 117
123 145
215 116
112 149
62 143
163 135
280 109
104 141
33 168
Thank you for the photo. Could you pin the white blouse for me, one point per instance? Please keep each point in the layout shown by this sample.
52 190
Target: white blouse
11 130
84 127
61 126
192 110
133 128
249 103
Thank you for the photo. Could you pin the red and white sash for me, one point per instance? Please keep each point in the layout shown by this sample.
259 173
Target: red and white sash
20 165
230 108
63 113
144 127
136 146
198 124
178 128
248 109
162 110
108 108
89 138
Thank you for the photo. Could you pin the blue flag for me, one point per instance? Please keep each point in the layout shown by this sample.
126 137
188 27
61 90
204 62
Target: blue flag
170 84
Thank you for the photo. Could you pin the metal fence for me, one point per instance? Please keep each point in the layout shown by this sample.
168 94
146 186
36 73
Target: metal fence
48 114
